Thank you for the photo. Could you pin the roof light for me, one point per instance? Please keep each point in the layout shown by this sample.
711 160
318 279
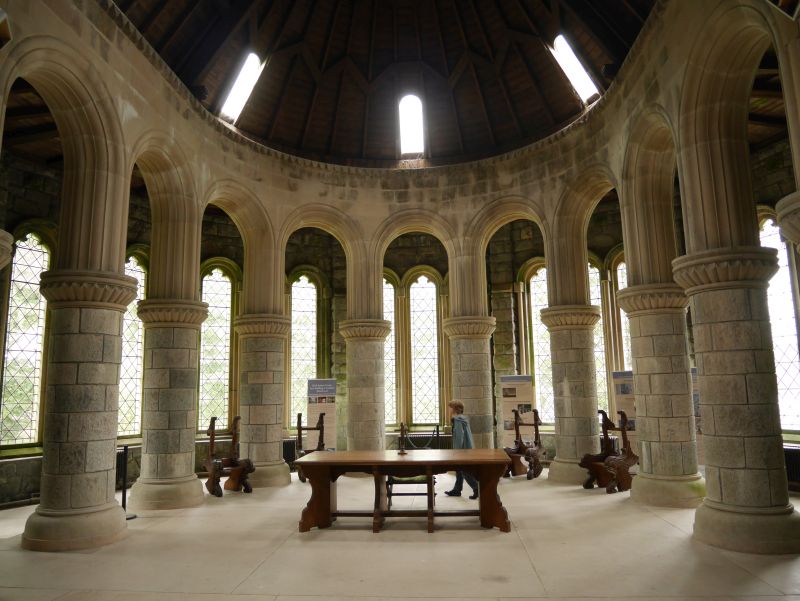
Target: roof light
245 82
411 139
573 69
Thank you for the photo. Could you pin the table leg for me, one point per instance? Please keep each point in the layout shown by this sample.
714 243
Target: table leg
429 485
323 499
381 500
492 511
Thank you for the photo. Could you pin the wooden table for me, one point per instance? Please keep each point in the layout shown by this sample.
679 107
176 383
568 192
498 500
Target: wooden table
323 469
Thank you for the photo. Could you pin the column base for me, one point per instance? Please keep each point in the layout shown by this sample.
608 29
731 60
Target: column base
270 474
50 530
756 532
566 472
680 491
177 493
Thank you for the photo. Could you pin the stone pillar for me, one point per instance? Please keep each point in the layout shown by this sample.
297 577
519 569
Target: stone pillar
77 508
262 386
788 210
365 388
472 373
6 243
747 505
665 424
169 422
571 330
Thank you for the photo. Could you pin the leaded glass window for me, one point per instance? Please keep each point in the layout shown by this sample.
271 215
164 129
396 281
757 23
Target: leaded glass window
389 357
424 352
625 326
542 365
130 372
215 350
304 343
599 340
784 330
22 373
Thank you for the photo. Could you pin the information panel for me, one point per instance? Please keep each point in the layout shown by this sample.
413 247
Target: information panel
321 399
517 393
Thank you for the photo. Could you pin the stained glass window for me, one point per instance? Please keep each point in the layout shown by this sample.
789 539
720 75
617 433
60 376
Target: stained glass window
784 330
411 137
130 371
389 358
599 340
424 352
22 374
542 365
304 343
215 350
625 326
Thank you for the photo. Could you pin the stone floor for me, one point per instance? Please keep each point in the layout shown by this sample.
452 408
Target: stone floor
564 543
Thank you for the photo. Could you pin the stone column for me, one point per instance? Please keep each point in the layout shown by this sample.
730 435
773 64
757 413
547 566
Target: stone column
78 509
262 366
472 373
365 388
571 330
747 501
6 243
169 422
788 210
665 423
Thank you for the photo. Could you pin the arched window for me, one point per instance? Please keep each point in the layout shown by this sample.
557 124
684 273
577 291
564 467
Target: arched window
22 364
303 343
573 68
542 364
784 329
129 419
412 140
596 298
389 355
625 326
215 350
424 328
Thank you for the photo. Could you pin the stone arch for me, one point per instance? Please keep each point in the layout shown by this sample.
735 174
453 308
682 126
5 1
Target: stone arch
92 141
500 212
414 220
646 198
713 127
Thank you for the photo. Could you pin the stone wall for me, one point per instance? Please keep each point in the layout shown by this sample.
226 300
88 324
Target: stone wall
28 190
773 177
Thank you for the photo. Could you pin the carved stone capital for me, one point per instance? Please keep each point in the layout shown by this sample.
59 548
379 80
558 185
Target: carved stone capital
263 324
98 289
365 329
652 298
6 242
737 267
788 209
172 313
469 327
570 317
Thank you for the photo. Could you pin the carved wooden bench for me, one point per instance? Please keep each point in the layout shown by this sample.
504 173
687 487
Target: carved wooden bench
299 451
532 453
618 466
235 468
594 463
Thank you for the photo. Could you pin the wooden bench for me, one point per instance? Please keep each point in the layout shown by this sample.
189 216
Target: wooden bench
235 468
532 453
594 463
299 451
618 466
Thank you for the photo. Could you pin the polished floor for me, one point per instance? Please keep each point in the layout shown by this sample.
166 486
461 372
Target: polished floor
565 543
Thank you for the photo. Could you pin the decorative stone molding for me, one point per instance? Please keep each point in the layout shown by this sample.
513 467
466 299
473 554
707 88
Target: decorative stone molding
365 329
172 312
652 298
98 289
6 242
564 317
788 209
469 327
737 267
263 324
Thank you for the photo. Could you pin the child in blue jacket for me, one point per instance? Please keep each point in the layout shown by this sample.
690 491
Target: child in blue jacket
462 439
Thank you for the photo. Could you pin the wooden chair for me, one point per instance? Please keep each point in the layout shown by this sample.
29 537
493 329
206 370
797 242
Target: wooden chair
618 466
427 479
595 463
532 453
299 451
235 468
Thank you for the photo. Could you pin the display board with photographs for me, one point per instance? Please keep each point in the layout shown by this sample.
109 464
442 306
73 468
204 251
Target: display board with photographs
321 399
517 393
624 399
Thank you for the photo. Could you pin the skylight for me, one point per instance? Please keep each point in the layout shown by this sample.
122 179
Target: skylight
245 82
572 67
411 138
